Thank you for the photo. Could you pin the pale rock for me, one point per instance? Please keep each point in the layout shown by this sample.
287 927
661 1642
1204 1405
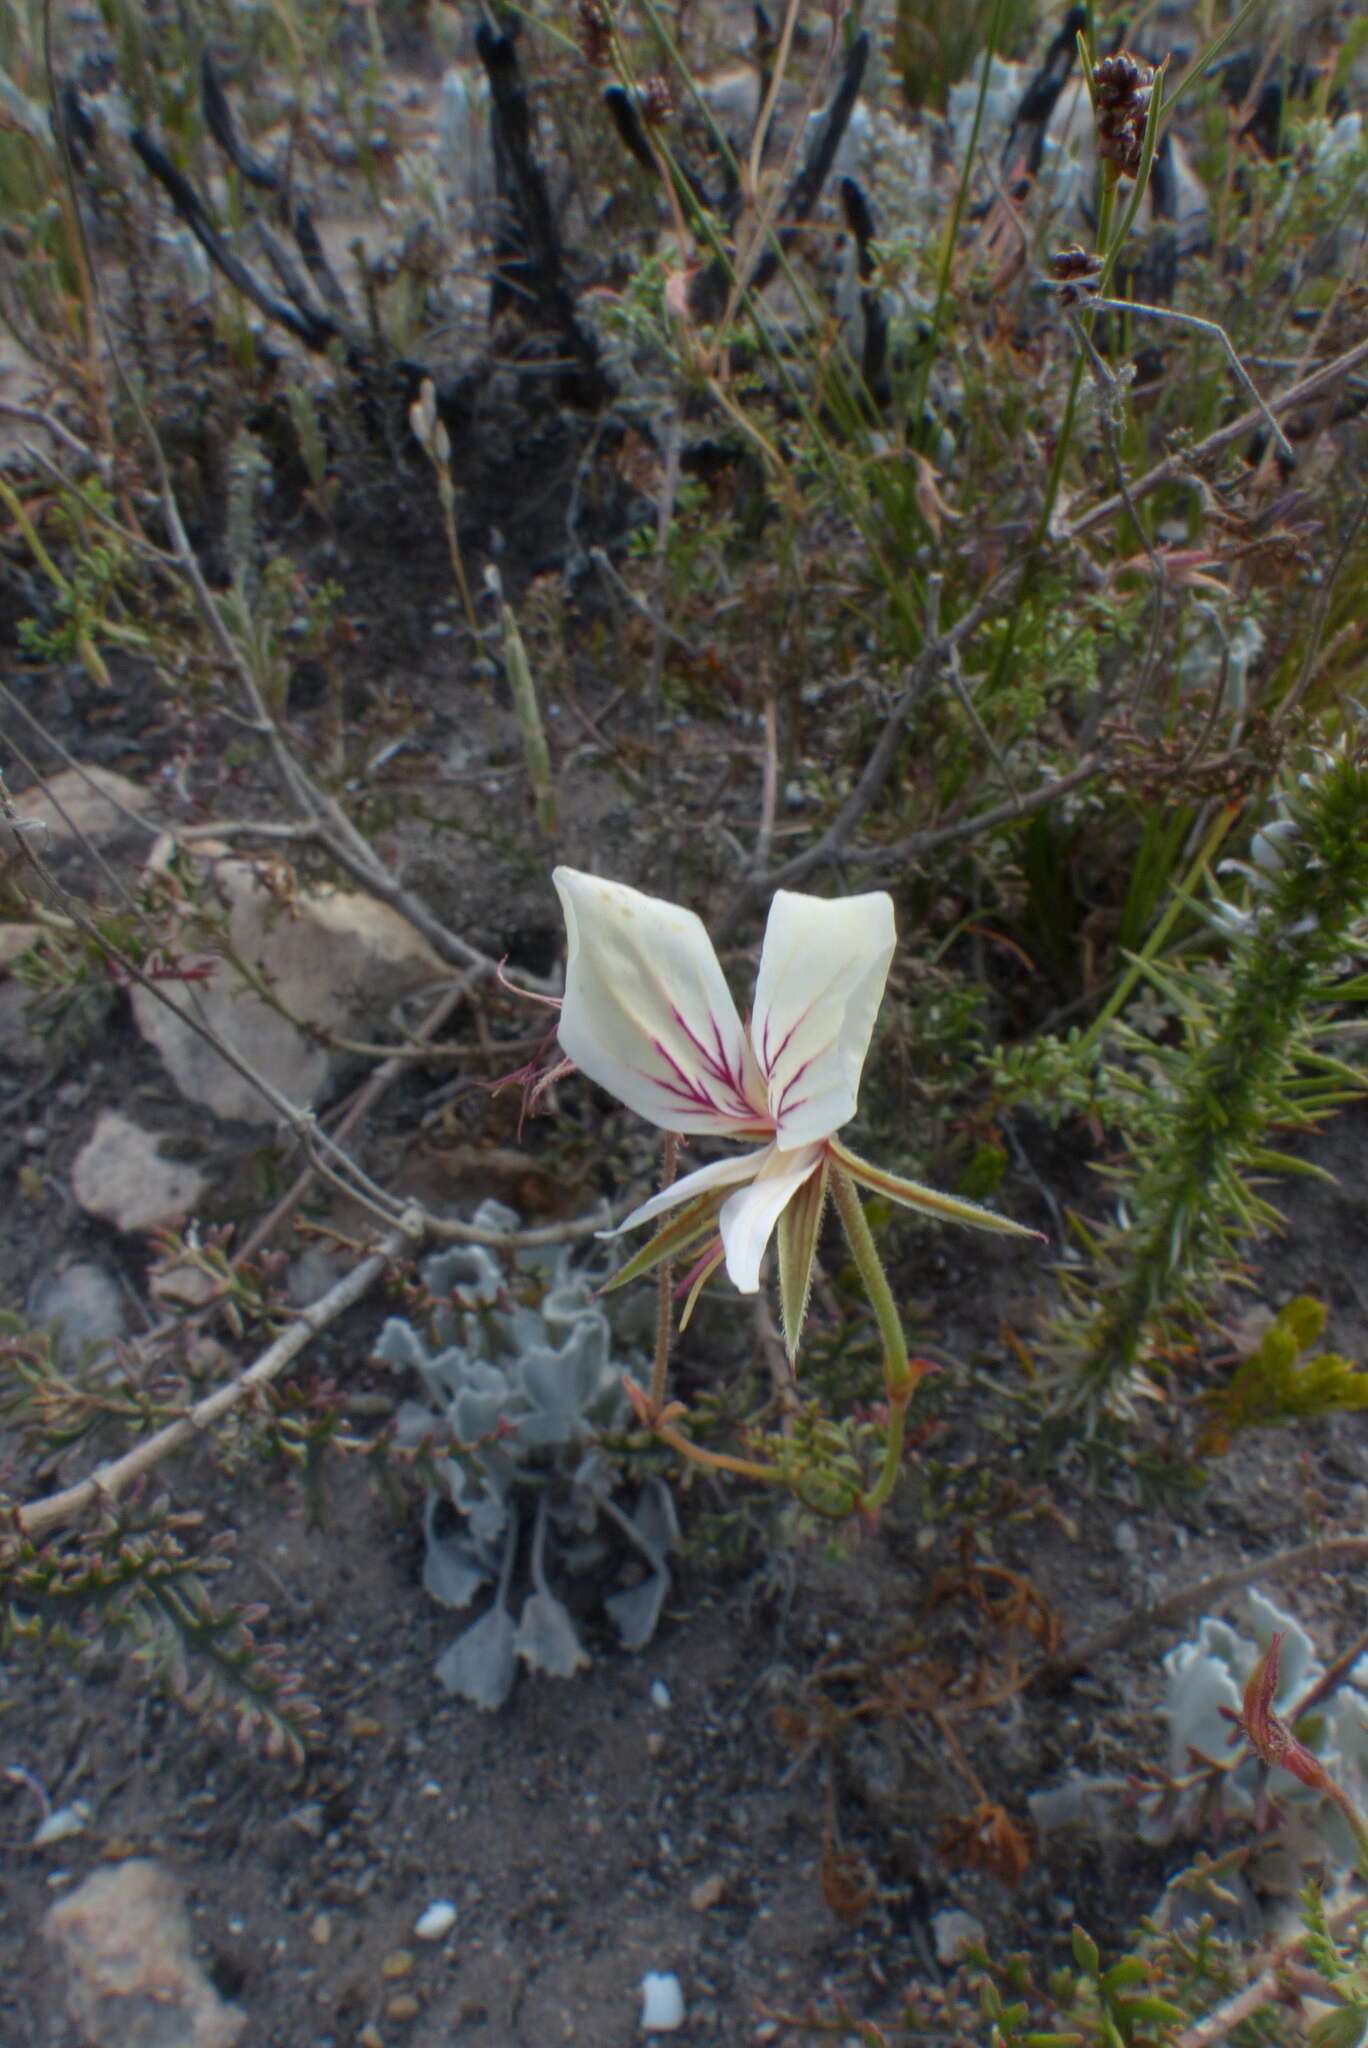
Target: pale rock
335 960
184 1285
62 1824
14 940
86 1307
81 803
131 1980
122 1176
954 1933
310 1276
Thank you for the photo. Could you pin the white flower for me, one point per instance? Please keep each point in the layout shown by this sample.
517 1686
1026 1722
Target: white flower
648 1015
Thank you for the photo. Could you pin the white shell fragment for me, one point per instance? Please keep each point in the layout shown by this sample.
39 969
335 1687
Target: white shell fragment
660 1694
439 1919
662 2003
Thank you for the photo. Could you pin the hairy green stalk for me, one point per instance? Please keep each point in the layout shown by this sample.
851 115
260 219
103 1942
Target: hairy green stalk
1248 1066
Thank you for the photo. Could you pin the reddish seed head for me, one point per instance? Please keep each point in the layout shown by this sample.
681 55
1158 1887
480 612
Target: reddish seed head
595 32
1122 86
1268 1734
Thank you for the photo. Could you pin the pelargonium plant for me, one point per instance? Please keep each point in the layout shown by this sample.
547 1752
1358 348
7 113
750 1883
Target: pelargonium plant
647 1015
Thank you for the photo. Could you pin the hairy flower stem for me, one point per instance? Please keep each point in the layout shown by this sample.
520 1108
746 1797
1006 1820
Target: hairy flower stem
899 1377
664 1289
1192 1198
898 1374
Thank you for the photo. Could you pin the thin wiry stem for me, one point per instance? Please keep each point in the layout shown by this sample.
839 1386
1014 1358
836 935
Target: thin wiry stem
1202 326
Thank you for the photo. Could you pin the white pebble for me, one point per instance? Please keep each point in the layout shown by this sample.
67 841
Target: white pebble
954 1934
662 2003
61 1825
660 1693
439 1919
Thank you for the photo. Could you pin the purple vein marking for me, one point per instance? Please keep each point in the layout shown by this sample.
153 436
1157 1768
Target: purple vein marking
787 1103
717 1087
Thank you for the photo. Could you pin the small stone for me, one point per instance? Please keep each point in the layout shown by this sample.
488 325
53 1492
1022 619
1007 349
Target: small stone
122 1176
87 803
124 1938
310 1275
86 1307
184 1285
439 1919
403 2006
320 1930
662 2003
361 1727
369 2038
61 1825
655 1744
397 1963
308 1819
660 1694
708 1892
334 959
15 940
954 1934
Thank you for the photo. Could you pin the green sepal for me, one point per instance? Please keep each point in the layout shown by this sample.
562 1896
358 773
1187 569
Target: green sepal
681 1234
799 1226
930 1201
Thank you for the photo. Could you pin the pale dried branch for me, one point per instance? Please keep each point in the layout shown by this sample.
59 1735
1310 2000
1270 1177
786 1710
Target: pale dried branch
40 1518
1195 1599
1267 1987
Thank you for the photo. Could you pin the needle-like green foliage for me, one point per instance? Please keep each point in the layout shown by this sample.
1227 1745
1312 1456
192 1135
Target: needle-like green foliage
1248 1066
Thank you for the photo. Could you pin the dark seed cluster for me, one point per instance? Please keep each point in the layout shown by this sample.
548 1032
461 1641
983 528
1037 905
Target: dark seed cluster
595 27
1076 271
1122 85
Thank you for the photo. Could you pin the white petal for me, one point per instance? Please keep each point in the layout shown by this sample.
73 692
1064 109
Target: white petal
821 980
747 1218
720 1173
647 1013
